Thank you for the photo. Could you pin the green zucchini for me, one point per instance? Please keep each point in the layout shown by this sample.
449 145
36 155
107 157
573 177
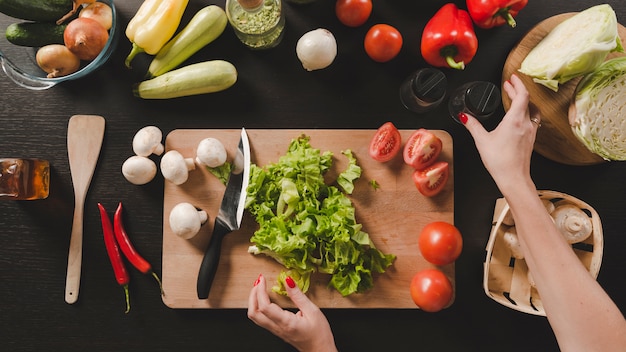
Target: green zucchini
204 77
36 10
205 26
35 34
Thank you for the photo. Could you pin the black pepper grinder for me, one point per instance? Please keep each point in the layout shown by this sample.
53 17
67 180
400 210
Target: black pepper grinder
480 99
423 90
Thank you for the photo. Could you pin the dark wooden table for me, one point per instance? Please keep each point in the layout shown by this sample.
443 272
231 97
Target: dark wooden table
273 91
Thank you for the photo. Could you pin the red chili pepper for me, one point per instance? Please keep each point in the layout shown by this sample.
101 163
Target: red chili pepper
448 39
129 250
121 275
493 13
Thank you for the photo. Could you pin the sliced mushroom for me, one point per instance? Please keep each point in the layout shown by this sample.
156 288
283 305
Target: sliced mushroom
148 141
175 167
573 223
211 152
186 220
512 241
139 170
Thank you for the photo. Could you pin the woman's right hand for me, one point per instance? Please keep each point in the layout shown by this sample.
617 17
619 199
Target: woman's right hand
506 151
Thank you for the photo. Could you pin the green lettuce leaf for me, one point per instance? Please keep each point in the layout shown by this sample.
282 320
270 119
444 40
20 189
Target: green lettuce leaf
309 226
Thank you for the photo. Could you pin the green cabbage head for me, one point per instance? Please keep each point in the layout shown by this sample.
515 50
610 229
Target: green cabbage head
574 47
600 101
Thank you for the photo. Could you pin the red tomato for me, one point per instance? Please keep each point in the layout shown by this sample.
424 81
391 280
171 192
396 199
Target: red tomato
383 42
431 290
422 149
440 242
431 180
386 143
353 13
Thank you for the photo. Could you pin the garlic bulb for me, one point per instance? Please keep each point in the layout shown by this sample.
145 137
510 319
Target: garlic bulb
316 49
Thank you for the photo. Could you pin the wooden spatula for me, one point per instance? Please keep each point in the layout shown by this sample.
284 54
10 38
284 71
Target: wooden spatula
84 139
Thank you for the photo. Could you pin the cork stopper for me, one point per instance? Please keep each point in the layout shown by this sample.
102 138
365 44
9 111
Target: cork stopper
250 4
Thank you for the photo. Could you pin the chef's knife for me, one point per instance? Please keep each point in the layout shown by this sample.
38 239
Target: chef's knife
228 217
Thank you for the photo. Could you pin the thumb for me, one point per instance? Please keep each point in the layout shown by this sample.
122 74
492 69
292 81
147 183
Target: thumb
298 297
474 127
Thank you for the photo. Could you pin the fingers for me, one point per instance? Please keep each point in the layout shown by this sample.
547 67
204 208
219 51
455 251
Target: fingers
516 90
298 297
474 127
261 310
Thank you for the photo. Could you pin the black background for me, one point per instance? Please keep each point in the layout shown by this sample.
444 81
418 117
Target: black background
273 91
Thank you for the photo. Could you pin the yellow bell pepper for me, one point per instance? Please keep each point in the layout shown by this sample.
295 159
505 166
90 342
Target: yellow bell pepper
153 25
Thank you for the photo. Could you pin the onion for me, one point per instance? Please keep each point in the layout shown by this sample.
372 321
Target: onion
76 4
316 49
85 37
57 60
100 12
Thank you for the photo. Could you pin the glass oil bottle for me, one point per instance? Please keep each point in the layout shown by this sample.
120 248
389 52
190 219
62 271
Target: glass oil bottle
24 179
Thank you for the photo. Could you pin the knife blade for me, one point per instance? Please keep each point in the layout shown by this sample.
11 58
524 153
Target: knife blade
228 217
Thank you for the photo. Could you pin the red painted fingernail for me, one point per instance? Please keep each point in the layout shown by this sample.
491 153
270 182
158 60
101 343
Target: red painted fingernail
463 117
507 81
290 282
258 279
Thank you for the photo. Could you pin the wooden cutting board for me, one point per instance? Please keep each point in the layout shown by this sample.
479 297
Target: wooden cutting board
393 215
555 139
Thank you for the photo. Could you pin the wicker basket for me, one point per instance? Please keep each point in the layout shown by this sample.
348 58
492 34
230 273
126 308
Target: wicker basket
506 278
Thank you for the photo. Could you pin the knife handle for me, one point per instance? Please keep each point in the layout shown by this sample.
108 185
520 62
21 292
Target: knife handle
211 259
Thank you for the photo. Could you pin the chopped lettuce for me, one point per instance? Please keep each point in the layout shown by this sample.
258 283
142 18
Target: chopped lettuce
221 172
600 119
309 226
574 47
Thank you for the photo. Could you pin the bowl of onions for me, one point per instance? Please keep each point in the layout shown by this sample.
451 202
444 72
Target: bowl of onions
86 40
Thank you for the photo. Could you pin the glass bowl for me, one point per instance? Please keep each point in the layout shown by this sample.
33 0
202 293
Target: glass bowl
19 64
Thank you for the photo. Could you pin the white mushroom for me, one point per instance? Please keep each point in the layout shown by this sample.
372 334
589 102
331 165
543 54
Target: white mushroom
573 223
186 220
175 167
211 152
148 141
512 241
139 170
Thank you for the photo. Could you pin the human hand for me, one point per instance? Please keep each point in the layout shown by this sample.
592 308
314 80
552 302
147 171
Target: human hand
306 330
506 151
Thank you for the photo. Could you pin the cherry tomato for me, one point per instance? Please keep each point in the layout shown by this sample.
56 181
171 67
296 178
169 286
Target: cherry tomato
386 143
431 290
440 242
422 149
431 180
353 13
383 42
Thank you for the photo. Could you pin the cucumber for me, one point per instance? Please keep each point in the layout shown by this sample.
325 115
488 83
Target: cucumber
35 34
205 26
204 77
36 10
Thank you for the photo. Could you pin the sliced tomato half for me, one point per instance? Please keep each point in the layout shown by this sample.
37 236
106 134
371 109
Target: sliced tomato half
386 143
431 180
422 149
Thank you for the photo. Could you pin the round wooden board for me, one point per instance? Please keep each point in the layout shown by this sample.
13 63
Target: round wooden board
555 139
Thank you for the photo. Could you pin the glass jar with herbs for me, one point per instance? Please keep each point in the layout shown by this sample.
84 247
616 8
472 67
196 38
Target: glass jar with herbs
259 24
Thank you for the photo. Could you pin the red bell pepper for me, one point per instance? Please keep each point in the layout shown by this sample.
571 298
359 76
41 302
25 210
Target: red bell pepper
448 39
494 13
